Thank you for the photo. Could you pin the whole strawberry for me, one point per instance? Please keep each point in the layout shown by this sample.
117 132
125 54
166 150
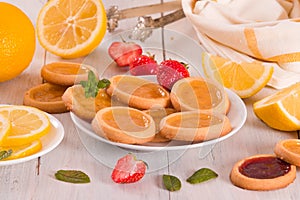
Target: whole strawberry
143 65
170 71
123 52
128 169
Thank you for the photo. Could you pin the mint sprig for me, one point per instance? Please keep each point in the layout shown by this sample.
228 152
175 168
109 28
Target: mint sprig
93 84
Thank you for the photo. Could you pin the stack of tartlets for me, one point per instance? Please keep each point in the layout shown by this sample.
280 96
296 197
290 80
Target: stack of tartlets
57 77
142 111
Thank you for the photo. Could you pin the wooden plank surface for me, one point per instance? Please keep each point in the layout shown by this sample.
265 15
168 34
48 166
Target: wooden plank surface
35 180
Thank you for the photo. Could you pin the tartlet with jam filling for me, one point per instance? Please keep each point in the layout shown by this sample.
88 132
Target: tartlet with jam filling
262 172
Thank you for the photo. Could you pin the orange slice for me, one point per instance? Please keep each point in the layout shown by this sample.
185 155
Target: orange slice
24 150
245 79
27 124
71 28
4 128
281 109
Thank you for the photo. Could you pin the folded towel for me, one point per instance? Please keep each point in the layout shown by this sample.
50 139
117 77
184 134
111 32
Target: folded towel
248 30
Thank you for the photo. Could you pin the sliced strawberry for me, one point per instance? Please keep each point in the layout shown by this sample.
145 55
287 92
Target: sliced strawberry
123 53
128 169
170 71
143 65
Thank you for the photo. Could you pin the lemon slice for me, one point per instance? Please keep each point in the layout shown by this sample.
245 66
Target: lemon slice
27 124
281 109
4 128
25 150
245 79
73 28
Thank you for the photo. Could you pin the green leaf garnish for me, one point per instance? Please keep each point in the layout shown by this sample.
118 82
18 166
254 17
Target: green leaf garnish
172 183
93 84
5 153
72 176
202 175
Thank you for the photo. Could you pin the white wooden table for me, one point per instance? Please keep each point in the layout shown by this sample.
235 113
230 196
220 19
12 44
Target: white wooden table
35 180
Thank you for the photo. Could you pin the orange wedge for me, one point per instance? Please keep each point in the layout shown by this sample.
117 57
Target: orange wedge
24 150
280 110
245 79
72 28
27 124
4 128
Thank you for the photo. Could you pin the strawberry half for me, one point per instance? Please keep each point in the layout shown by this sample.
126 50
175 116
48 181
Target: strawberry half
143 65
170 71
128 169
123 53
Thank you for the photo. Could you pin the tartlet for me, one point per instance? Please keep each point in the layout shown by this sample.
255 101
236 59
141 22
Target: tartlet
124 125
158 114
46 97
85 107
138 92
66 73
194 126
196 93
262 172
289 151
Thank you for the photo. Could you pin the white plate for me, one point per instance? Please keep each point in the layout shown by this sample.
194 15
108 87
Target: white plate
237 116
49 142
176 46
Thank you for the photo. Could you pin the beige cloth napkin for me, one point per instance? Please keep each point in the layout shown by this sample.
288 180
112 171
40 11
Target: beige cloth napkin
248 30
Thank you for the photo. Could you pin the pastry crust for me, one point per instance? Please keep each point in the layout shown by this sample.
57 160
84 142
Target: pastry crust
138 93
287 155
124 125
242 181
196 93
158 115
46 97
85 108
66 73
194 126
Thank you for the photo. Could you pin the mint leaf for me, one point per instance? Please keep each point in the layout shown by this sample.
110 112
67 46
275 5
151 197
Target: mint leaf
5 153
93 84
72 176
202 175
103 83
172 183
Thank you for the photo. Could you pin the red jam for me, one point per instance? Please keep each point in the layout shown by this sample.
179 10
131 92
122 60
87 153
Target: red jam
264 168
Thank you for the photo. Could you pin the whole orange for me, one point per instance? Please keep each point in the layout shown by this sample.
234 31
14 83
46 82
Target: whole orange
17 41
